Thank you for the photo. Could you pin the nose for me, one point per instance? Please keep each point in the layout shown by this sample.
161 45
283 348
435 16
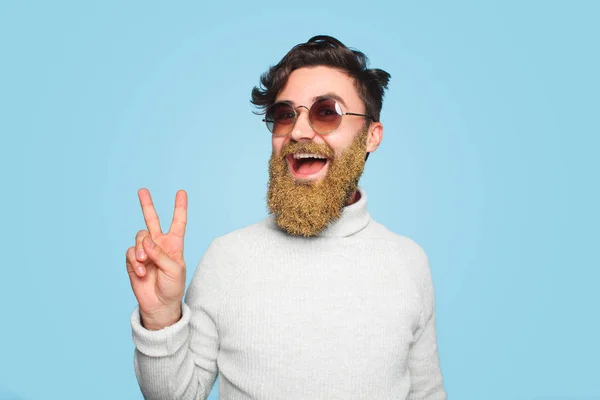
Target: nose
302 128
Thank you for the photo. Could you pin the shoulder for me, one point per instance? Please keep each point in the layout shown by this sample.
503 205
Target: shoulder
233 246
247 236
221 262
410 254
405 245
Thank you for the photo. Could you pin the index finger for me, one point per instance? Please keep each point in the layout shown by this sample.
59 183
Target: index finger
180 214
149 212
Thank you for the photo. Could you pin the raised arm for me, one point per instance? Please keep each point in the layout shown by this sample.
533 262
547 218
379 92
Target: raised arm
176 342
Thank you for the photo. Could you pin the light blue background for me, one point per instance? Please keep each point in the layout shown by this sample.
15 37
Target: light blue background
489 161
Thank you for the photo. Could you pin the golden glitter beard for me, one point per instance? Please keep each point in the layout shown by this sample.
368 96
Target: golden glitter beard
304 208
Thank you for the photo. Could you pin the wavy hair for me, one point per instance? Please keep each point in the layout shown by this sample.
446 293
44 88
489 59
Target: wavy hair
324 51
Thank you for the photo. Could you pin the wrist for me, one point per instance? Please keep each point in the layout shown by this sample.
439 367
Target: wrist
161 318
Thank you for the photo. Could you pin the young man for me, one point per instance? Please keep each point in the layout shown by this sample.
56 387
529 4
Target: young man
318 301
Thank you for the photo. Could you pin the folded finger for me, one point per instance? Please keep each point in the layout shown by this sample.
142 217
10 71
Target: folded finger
159 257
133 266
140 254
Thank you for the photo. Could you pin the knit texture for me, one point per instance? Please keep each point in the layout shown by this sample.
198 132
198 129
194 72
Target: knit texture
346 315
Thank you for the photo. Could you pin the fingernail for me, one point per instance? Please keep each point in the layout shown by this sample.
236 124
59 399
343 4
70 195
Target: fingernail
141 254
140 270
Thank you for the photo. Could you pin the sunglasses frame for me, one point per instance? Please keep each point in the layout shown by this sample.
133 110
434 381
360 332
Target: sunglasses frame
310 122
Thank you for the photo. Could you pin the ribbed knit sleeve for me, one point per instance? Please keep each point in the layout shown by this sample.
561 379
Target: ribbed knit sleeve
423 360
179 361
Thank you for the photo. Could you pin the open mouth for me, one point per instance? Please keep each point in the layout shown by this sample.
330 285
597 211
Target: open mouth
306 165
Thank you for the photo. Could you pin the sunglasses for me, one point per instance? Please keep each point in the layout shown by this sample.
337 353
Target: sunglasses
324 116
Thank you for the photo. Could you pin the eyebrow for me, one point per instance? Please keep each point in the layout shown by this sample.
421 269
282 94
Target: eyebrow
330 95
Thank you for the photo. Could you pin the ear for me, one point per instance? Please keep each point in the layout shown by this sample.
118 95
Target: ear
375 136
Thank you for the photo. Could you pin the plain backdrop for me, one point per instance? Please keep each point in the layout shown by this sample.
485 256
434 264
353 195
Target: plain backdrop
489 161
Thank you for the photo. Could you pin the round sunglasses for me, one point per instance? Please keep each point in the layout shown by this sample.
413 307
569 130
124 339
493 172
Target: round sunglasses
324 116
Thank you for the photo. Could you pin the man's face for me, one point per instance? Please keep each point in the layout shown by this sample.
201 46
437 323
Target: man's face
306 195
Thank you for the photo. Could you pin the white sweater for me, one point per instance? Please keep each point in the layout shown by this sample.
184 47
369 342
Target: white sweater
345 315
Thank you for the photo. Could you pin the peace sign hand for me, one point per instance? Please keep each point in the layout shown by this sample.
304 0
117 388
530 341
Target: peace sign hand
156 266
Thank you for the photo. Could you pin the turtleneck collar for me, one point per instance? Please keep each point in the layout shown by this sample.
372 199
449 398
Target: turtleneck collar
353 219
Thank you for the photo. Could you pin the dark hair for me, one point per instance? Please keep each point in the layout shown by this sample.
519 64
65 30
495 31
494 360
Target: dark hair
328 51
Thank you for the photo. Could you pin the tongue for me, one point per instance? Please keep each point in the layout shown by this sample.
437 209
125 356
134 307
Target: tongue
310 165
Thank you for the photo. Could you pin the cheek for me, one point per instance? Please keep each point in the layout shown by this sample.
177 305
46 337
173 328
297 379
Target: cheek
277 144
339 143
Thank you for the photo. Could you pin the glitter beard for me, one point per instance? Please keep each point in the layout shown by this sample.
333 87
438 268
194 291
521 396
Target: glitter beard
304 208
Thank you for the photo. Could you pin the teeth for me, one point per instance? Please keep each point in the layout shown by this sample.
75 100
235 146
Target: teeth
305 155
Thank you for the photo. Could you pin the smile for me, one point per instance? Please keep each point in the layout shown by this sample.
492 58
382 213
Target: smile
307 166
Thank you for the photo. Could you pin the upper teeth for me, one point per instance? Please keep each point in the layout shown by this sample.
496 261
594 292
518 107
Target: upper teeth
305 155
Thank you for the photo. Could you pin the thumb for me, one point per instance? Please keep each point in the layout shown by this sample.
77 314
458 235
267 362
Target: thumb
158 255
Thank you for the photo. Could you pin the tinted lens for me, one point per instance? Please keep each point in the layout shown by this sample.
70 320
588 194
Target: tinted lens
280 118
325 115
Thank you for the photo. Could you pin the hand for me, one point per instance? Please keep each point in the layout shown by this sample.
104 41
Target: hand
156 266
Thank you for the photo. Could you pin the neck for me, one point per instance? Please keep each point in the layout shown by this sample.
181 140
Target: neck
353 219
354 198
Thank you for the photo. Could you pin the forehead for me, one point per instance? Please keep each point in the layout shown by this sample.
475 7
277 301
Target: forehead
304 84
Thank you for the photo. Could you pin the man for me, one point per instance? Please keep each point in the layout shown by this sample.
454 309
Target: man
318 301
